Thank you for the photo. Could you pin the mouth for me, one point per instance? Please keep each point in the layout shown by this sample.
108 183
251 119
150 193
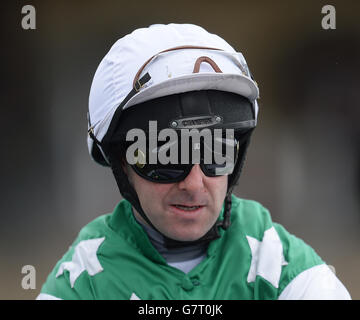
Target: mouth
187 208
189 211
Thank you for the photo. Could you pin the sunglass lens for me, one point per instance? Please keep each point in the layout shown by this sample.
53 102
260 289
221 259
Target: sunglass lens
213 170
162 173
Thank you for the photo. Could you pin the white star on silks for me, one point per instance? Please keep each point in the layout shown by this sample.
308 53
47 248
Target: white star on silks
267 257
83 259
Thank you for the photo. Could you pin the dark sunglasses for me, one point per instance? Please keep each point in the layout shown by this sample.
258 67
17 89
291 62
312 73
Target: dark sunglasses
171 173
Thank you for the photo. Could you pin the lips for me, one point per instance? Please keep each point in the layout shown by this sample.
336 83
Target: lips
186 208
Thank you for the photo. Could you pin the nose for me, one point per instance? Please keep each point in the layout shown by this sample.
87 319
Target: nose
194 181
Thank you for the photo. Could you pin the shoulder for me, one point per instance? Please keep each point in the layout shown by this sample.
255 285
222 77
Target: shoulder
250 216
71 278
255 222
281 263
307 276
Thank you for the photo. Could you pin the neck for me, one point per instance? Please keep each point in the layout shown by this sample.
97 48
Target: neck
178 254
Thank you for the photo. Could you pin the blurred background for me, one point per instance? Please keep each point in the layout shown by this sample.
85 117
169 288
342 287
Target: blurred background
303 163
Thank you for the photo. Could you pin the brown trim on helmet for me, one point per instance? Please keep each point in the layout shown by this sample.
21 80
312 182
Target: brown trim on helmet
207 60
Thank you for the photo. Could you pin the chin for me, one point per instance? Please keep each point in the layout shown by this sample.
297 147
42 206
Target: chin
187 235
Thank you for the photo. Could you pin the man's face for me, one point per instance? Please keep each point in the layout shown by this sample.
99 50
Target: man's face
185 210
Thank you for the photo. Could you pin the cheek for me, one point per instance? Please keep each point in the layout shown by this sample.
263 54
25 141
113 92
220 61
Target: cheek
217 186
150 194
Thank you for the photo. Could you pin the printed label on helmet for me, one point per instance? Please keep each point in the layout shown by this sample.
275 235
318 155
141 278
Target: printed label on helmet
195 122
